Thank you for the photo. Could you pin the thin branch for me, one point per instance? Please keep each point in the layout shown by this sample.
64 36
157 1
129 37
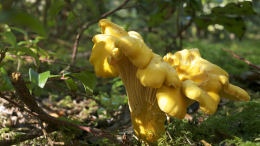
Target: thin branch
57 123
53 61
45 11
167 132
24 93
185 27
181 28
17 105
30 102
45 133
85 26
243 59
22 138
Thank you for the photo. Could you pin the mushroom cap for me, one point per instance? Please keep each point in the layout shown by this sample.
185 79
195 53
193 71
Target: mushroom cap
101 51
203 81
131 43
109 28
172 101
156 73
135 50
190 65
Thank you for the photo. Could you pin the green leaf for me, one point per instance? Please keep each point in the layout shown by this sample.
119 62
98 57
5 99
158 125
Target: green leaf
43 77
38 79
156 19
25 51
234 25
229 16
193 5
14 17
88 79
93 8
9 38
203 21
242 9
33 76
56 7
5 82
71 84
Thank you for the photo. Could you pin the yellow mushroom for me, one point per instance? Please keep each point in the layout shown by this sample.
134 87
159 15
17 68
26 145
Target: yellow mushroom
156 73
127 53
203 81
101 52
172 101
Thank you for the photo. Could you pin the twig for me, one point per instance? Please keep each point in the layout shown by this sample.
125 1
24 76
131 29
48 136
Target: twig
30 58
169 135
178 27
22 138
30 102
185 27
17 105
181 28
85 26
56 123
24 93
188 140
44 131
241 58
45 11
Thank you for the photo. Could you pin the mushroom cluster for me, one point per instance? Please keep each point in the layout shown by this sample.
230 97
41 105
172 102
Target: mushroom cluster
158 86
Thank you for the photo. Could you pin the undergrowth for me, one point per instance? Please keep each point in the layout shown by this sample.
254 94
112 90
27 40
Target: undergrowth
236 123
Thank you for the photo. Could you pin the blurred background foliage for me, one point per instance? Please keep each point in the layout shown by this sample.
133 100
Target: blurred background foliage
38 38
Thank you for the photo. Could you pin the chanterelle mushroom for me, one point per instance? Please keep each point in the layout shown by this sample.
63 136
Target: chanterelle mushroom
125 53
153 86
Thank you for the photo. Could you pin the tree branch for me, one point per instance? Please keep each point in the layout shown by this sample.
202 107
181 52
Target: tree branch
86 26
181 28
185 27
30 102
17 105
23 138
243 59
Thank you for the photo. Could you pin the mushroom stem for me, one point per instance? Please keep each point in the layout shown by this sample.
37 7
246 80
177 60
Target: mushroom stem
147 118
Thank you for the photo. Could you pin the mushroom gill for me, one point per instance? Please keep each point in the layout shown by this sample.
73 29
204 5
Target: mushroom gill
147 118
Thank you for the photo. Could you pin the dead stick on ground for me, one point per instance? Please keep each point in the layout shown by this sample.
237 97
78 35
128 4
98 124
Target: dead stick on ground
84 27
17 105
21 138
241 58
30 102
45 133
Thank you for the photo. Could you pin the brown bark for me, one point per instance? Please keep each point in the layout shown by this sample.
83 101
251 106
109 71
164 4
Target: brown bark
25 96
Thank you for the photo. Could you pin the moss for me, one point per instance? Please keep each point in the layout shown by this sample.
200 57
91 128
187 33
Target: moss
235 123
